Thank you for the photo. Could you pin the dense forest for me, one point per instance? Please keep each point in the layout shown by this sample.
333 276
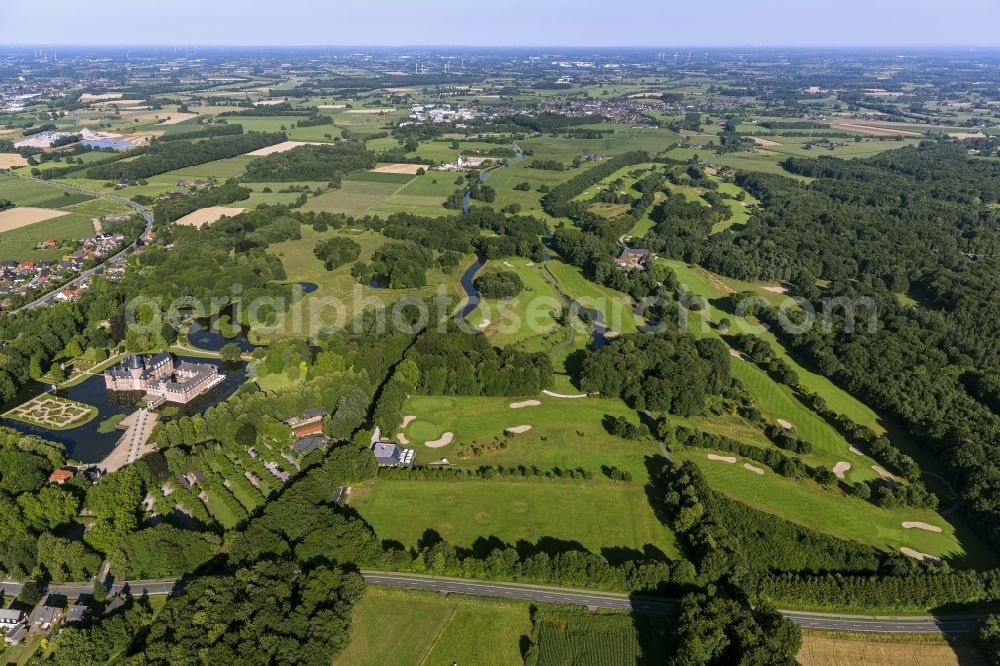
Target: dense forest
323 163
162 157
913 222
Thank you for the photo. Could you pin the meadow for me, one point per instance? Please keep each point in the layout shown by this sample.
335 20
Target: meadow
429 628
599 517
301 265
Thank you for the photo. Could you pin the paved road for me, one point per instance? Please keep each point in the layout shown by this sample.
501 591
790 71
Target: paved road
87 274
611 600
903 624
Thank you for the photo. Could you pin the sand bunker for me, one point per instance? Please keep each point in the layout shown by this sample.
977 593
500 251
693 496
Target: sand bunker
11 160
886 476
753 468
765 142
282 147
444 440
923 557
370 110
484 323
563 395
840 469
408 419
400 168
175 118
735 354
402 438
775 289
856 451
917 525
15 218
784 424
517 430
727 459
208 215
524 403
508 264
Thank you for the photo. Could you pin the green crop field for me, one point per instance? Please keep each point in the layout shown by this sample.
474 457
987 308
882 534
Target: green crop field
603 639
355 197
428 628
380 177
595 515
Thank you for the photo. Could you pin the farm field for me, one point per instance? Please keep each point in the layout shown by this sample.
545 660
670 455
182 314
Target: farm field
431 629
354 197
599 639
19 243
598 517
834 649
423 195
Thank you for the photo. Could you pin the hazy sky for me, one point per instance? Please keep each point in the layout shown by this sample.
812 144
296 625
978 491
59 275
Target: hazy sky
504 22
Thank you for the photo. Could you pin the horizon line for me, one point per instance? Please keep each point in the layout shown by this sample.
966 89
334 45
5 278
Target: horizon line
989 47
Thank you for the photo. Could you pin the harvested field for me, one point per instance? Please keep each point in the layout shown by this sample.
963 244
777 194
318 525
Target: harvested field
524 403
517 430
444 440
822 650
372 111
282 147
966 135
11 160
400 168
89 97
874 130
175 118
917 525
726 459
208 215
15 218
331 106
764 142
268 102
840 469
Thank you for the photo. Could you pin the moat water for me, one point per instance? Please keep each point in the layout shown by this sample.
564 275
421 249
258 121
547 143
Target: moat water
87 444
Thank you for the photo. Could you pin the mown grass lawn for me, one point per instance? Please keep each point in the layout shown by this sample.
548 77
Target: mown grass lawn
598 516
615 306
432 629
831 512
565 433
528 320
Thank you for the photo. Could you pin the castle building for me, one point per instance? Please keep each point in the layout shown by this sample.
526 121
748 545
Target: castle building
162 379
